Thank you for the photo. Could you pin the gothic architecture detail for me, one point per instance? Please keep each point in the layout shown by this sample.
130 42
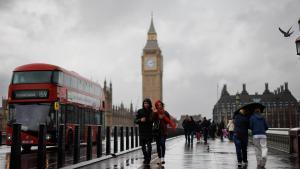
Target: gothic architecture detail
282 108
116 115
152 67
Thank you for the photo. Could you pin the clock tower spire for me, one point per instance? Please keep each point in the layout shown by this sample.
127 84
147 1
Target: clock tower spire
152 67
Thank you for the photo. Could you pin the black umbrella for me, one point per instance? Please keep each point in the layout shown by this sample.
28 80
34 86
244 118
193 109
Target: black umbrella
250 108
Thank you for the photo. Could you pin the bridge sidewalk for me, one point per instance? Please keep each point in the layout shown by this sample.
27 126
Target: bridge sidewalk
216 154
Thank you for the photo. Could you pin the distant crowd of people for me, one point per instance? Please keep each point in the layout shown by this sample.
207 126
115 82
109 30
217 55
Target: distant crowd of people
236 131
205 128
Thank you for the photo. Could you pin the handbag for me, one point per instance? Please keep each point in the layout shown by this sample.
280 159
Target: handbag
156 127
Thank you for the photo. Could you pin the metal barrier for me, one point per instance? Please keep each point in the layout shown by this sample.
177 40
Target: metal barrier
278 139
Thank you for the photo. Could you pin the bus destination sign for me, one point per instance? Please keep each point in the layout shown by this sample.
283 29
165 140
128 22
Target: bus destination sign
30 94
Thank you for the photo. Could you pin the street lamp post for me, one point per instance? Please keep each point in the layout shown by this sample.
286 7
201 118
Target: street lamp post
298 40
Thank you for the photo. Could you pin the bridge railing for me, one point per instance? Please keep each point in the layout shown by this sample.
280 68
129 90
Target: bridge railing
125 137
284 139
279 139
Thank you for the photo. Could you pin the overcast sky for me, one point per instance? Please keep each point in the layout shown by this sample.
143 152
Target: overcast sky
204 43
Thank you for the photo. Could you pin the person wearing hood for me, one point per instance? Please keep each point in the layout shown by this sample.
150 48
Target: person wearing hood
144 118
258 125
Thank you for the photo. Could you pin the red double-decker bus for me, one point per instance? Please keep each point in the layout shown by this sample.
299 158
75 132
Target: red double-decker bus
43 93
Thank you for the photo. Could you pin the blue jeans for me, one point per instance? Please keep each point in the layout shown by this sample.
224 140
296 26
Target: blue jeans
241 144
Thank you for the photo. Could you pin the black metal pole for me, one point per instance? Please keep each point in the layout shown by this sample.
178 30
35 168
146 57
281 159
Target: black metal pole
42 147
0 137
99 142
127 138
115 139
136 137
132 138
121 138
15 156
89 144
61 146
107 140
76 155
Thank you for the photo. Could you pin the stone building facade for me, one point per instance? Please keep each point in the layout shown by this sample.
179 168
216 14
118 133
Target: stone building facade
282 108
116 115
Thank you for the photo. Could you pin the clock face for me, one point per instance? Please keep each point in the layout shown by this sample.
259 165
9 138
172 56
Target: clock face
150 62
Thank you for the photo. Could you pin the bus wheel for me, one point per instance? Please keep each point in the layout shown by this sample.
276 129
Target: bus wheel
26 148
70 139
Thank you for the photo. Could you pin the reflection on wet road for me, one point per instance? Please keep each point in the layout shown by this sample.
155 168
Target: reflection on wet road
215 155
180 155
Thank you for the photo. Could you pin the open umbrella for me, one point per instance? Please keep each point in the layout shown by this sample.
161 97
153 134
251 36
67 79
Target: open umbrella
250 108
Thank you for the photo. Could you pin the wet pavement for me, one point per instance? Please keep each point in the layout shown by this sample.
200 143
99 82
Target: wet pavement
180 155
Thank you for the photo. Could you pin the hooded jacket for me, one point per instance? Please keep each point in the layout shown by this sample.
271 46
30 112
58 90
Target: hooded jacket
145 128
258 124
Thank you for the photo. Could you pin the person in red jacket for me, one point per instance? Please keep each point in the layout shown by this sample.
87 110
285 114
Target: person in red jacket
161 121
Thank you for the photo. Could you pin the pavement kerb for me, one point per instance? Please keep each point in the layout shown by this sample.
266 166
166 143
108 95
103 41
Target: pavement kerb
106 157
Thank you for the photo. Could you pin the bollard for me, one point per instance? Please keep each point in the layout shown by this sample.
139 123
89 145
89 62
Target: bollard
15 156
121 139
76 155
61 146
115 139
42 147
107 140
136 137
89 144
132 138
127 138
99 142
0 137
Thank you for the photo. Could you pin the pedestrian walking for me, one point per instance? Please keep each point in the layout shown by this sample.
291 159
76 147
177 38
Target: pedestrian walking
221 127
212 130
205 126
230 127
144 118
198 130
161 119
191 130
185 127
258 125
240 136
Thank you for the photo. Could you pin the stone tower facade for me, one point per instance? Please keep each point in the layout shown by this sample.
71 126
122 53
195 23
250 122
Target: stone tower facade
152 67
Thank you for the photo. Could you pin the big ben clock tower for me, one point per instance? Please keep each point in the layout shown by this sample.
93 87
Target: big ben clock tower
152 67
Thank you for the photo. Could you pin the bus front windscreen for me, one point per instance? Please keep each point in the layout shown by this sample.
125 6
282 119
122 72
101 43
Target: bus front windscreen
28 77
29 115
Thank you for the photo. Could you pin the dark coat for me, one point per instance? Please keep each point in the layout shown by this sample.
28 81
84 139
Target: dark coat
145 128
241 125
163 130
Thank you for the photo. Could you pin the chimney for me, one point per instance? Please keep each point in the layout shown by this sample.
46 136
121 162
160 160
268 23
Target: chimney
286 87
278 90
281 88
275 92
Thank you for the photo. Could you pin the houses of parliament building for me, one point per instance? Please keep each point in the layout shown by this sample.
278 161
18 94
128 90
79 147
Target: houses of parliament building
282 108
